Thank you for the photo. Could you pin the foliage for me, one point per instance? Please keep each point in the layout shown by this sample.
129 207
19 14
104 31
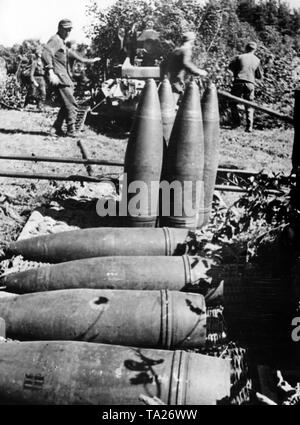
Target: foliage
223 27
18 54
170 18
270 13
264 212
13 94
276 51
17 58
260 227
266 202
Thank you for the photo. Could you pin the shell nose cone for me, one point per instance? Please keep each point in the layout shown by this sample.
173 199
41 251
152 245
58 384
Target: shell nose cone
166 96
210 104
149 106
143 158
167 105
190 107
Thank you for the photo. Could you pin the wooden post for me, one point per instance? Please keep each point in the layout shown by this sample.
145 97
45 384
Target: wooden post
85 155
296 150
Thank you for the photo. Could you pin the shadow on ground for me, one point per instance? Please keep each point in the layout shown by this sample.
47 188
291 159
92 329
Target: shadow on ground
79 213
19 131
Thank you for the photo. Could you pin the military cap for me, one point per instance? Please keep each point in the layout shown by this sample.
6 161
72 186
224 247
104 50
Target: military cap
65 23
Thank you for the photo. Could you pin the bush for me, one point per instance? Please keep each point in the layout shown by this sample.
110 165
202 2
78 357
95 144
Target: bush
13 94
17 58
223 28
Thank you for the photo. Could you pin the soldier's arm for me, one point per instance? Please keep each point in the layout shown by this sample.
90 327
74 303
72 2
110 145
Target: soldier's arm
80 58
32 71
259 74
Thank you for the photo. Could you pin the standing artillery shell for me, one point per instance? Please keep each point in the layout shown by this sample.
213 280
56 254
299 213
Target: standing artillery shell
174 273
83 373
211 130
143 161
168 114
99 242
167 105
185 161
138 318
296 145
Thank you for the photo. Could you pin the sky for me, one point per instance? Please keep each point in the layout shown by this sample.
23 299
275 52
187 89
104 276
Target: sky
23 19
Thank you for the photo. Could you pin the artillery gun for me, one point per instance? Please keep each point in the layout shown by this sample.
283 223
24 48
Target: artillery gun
119 94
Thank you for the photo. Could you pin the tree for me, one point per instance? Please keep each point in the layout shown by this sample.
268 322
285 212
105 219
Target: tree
270 9
171 19
223 27
17 53
284 19
245 10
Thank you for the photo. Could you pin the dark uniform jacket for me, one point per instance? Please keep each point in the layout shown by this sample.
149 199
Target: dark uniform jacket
119 51
55 55
179 63
246 68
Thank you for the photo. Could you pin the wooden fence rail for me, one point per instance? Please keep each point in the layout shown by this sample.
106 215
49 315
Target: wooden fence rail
254 105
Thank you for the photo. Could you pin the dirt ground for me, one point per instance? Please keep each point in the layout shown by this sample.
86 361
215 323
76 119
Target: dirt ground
27 133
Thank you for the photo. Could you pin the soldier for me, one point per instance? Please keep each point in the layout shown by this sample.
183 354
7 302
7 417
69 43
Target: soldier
246 68
180 63
56 58
149 45
37 85
131 43
149 33
119 48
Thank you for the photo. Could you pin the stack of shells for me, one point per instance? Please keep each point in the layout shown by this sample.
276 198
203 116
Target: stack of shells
180 148
120 313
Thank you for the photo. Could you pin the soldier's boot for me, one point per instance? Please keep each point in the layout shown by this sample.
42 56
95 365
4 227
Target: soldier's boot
71 131
56 130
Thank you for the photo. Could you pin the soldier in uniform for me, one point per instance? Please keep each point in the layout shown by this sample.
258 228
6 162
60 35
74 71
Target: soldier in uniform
245 68
180 63
56 58
37 84
119 47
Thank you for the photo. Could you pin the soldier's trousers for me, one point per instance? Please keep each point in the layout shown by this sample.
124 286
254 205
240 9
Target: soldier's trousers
37 94
68 108
246 91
